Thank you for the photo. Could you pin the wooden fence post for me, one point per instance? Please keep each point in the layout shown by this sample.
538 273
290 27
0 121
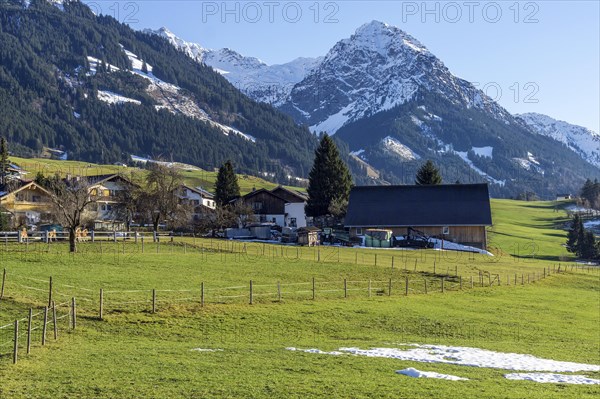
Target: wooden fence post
251 293
522 279
425 285
45 326
278 291
375 259
142 238
202 294
345 289
16 343
313 288
54 320
406 289
3 282
50 292
101 313
460 281
153 300
73 313
433 266
442 284
29 321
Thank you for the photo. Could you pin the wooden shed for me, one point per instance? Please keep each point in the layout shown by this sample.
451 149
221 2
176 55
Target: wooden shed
453 212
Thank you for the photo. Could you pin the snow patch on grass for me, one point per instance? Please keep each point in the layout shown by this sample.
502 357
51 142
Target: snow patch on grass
412 372
465 356
553 378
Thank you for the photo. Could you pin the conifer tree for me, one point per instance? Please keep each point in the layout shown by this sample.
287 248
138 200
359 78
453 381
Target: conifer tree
588 247
226 186
574 233
328 181
4 164
428 174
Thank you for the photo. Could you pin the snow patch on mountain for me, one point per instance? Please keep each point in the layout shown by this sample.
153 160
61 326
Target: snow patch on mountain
483 151
465 157
168 96
530 163
114 98
395 147
583 141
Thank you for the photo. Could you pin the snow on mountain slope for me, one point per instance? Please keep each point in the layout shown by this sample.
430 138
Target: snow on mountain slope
395 147
376 69
583 141
266 83
165 95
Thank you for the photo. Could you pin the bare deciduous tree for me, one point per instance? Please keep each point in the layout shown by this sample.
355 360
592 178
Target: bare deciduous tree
71 199
158 201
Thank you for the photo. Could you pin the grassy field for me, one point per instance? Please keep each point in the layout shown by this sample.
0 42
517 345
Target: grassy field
134 353
193 176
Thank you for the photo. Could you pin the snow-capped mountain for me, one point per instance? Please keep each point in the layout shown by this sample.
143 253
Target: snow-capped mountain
376 69
579 139
394 103
265 83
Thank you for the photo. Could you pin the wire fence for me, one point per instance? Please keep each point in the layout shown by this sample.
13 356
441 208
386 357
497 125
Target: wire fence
104 301
37 329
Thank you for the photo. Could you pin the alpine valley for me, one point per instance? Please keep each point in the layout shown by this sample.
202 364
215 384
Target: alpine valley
101 91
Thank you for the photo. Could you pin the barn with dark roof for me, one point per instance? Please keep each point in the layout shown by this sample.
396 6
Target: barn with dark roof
454 212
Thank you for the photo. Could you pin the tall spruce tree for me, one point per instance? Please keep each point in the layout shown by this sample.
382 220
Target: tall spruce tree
329 180
588 249
226 186
4 164
428 174
574 234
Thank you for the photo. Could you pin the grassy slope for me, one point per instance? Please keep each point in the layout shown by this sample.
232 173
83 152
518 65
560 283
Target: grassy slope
137 354
194 177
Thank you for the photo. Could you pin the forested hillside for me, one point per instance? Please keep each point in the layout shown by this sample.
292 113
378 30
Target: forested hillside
58 66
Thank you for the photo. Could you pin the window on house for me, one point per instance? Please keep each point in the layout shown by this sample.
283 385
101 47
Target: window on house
36 198
257 206
359 231
293 222
445 230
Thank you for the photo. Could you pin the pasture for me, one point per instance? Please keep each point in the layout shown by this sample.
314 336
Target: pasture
226 347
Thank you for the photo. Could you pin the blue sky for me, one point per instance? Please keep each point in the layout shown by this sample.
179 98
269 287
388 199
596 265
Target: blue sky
532 56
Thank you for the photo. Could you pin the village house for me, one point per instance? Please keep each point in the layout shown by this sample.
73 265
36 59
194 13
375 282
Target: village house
109 191
455 212
280 206
201 201
25 203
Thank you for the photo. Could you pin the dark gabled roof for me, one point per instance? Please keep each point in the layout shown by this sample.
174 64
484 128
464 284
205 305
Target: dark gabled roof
291 196
402 206
262 190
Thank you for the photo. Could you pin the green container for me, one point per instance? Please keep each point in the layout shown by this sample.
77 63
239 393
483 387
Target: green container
368 241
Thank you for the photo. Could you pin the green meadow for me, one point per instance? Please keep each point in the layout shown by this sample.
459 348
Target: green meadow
136 353
194 176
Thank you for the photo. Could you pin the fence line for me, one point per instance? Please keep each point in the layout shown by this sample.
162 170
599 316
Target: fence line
25 328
